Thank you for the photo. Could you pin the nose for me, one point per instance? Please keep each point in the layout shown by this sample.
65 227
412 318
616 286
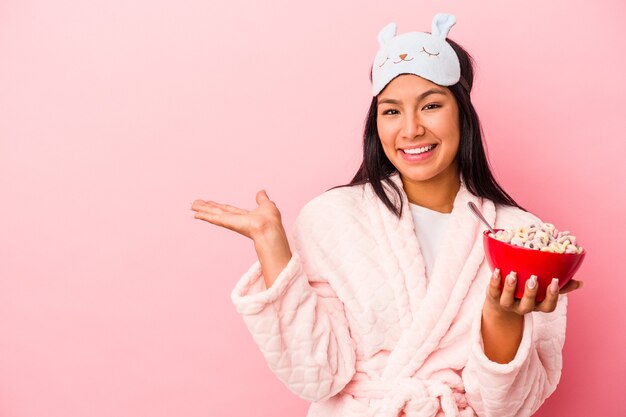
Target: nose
412 126
403 56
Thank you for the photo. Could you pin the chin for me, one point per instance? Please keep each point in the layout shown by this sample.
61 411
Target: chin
417 177
421 174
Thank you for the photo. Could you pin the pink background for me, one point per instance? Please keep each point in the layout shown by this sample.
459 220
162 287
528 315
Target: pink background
116 115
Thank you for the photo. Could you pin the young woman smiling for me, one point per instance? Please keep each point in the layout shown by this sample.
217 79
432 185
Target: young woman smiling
380 301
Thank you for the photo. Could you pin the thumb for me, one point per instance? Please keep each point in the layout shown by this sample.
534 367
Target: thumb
261 196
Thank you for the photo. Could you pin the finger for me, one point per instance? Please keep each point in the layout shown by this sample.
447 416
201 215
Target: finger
261 197
196 204
210 215
507 299
527 303
493 290
552 296
202 205
227 220
229 208
571 286
207 205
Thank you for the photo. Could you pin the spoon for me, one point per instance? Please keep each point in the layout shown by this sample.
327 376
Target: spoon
474 209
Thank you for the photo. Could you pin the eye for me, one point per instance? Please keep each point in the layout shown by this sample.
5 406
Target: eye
431 106
387 111
429 54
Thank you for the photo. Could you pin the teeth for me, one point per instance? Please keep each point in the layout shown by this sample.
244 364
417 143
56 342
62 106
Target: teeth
416 151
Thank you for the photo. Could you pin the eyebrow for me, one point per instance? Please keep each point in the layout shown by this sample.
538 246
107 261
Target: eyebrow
420 97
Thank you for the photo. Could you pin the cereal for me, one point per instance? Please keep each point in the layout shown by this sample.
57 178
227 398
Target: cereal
544 237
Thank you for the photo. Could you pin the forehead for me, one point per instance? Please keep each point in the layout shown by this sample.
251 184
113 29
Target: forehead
410 86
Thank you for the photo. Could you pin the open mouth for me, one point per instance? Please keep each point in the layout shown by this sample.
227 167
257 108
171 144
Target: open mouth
419 151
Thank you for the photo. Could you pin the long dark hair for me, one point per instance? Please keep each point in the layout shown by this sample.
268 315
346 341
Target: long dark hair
471 159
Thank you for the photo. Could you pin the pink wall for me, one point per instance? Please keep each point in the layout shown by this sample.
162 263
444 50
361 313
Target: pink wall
116 115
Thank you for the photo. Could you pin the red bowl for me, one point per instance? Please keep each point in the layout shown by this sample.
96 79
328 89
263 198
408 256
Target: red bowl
526 262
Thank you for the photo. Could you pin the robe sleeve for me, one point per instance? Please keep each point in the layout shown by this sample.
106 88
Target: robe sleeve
519 387
299 323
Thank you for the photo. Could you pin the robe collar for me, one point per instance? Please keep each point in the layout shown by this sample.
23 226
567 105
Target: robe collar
432 304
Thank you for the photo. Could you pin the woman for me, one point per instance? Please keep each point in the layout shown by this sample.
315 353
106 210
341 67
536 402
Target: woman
380 302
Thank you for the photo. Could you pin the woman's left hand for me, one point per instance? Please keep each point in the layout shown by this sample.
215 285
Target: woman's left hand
503 316
504 300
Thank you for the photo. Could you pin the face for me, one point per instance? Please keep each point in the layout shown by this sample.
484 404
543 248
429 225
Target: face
416 114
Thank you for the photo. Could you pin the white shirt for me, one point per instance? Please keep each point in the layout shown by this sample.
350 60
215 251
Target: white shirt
430 226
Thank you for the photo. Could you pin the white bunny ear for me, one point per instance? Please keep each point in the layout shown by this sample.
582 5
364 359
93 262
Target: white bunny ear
386 33
442 22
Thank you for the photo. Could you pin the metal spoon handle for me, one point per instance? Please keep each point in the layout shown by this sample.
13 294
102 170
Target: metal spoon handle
474 209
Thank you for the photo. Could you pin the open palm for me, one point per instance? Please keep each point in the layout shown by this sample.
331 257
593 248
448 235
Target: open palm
250 223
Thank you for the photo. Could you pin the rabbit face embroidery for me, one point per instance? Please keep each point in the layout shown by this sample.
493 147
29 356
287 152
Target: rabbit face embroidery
427 55
405 56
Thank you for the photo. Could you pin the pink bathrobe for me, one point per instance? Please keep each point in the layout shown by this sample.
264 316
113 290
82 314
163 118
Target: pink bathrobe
354 325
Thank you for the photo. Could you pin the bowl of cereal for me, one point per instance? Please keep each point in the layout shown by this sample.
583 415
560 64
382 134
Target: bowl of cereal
538 249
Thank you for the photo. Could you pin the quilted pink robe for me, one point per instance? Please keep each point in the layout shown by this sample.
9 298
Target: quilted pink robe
354 325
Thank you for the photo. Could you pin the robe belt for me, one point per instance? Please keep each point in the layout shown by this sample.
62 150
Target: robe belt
416 397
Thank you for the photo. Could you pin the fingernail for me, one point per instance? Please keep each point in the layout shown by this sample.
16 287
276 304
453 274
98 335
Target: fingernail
532 282
496 274
581 284
554 286
510 279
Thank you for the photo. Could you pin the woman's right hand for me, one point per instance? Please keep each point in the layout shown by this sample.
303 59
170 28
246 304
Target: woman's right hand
263 225
251 224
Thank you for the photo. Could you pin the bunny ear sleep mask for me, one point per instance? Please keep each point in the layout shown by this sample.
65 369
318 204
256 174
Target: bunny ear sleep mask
425 54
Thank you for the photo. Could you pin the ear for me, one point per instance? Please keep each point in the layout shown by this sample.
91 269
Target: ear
386 33
442 22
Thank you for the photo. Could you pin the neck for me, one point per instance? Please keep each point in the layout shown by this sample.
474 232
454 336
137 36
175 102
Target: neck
437 193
